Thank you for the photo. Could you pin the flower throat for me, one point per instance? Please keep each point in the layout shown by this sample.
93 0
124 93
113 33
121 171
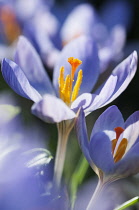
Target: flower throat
67 92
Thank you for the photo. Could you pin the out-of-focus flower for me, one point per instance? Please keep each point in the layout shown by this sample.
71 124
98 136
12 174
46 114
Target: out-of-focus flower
28 78
23 162
14 16
108 29
113 147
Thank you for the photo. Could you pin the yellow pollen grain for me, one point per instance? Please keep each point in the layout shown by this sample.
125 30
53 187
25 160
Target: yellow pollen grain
77 86
61 81
66 91
121 150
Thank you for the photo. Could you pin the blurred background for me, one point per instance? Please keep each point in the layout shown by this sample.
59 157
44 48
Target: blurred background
115 26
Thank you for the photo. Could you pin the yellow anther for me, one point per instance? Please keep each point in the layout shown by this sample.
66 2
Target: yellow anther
66 91
77 86
121 150
61 81
65 85
74 62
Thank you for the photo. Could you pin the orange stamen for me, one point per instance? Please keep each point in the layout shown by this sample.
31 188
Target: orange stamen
121 150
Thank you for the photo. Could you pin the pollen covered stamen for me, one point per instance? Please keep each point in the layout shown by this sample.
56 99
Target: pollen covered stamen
65 85
61 81
77 86
121 150
66 90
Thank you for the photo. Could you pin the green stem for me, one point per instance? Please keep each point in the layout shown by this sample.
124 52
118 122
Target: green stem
78 177
128 203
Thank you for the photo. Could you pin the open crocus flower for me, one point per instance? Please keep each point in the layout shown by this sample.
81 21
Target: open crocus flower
28 78
113 147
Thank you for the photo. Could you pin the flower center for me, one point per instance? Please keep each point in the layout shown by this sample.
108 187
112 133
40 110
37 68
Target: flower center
120 151
9 23
67 92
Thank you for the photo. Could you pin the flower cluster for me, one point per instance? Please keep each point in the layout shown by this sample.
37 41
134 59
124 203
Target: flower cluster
68 66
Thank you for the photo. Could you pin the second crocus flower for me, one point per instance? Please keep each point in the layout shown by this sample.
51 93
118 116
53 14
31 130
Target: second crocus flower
113 149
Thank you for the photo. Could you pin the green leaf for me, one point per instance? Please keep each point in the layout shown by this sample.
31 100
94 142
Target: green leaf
77 178
8 112
128 203
38 157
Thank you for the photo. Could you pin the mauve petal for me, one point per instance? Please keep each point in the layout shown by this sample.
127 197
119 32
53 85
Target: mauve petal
91 102
112 51
48 52
100 152
28 59
129 164
110 11
80 21
82 135
107 121
132 129
52 109
85 49
16 79
125 72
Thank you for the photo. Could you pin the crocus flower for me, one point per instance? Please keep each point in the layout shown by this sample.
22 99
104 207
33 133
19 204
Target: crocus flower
27 77
113 147
83 19
72 87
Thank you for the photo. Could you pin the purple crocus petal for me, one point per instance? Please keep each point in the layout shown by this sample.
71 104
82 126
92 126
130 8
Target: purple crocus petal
79 22
49 54
100 152
112 51
27 58
16 79
85 49
107 121
53 110
91 102
131 132
125 72
129 164
117 40
82 135
110 11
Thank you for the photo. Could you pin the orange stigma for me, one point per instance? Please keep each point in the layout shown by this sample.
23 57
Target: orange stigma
66 92
120 151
